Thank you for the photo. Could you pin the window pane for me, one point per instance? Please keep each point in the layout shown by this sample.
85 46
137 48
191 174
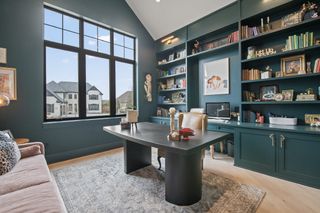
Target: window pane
104 47
70 23
129 42
62 83
129 54
53 18
70 38
90 43
52 34
104 34
118 51
90 30
97 75
124 87
118 39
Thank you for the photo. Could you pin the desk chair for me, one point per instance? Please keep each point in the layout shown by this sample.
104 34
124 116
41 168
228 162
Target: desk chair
193 120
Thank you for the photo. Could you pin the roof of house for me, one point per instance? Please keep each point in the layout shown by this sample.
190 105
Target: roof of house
68 86
50 93
126 97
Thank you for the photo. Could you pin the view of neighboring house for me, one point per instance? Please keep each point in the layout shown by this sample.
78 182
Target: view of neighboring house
62 100
124 102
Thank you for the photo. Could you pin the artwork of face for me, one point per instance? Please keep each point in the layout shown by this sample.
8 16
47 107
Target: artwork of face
293 67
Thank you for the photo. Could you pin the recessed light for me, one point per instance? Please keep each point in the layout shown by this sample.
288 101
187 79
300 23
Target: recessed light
157 1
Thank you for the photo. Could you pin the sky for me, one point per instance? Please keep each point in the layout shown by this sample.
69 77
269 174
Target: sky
62 65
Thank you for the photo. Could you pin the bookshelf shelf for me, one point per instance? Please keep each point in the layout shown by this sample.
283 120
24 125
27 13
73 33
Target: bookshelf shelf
286 53
171 104
282 78
282 30
172 76
206 52
173 90
173 62
280 102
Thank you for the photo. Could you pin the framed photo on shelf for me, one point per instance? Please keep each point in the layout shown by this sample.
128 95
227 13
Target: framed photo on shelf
294 65
171 57
216 77
268 93
170 83
311 118
8 84
288 95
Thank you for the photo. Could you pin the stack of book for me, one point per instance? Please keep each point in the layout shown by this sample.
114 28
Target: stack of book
233 37
300 41
251 74
316 68
248 32
183 83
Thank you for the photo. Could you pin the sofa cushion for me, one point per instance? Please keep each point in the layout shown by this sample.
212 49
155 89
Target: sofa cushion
40 198
30 151
9 155
28 172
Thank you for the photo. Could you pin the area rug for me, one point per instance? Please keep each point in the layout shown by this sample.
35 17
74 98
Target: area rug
102 186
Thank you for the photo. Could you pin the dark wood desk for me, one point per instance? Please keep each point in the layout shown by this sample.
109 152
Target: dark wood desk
183 159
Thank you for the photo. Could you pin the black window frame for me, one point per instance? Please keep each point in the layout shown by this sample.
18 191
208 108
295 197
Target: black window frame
82 53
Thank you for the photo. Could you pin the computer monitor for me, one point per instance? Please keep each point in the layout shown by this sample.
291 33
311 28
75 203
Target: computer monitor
218 110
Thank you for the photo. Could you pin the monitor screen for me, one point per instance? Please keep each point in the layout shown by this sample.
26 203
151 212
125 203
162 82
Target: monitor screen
218 110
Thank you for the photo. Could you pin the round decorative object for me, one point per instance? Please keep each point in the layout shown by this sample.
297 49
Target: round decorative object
182 69
279 97
4 100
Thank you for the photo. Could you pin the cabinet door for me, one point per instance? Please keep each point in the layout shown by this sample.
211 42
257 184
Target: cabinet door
299 158
255 149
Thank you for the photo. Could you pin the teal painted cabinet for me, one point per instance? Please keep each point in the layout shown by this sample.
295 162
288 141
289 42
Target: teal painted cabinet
255 149
160 120
299 158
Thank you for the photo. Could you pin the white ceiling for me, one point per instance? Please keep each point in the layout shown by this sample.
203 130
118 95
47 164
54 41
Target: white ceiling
166 16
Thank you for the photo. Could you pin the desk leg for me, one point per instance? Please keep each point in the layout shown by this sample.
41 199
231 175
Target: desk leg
136 156
183 178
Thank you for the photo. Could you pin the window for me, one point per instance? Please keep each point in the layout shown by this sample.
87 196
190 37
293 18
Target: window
84 76
94 107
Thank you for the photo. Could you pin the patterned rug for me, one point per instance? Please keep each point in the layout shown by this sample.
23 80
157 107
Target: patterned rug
102 186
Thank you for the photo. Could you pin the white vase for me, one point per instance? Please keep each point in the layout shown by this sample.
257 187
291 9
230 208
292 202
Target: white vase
132 116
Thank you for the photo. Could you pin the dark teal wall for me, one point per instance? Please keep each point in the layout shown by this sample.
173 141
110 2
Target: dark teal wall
22 34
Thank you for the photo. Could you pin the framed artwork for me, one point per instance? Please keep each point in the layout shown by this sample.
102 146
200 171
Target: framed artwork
288 95
311 118
216 77
3 55
268 93
8 84
294 65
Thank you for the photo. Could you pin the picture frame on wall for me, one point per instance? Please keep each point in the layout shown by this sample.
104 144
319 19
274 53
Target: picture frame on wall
216 77
294 65
8 82
268 93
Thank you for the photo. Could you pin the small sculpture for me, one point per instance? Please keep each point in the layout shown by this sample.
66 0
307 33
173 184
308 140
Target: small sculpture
148 87
186 132
172 112
251 52
196 47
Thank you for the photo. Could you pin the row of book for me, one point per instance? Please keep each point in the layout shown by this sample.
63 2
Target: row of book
300 41
248 32
233 37
251 74
173 71
316 68
248 96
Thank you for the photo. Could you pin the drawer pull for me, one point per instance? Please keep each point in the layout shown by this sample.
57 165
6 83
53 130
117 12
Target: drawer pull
282 140
271 136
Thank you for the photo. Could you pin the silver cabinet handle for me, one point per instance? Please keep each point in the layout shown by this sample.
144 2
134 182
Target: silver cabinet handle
282 141
271 136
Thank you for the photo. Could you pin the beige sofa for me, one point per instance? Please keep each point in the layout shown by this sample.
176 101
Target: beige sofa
29 187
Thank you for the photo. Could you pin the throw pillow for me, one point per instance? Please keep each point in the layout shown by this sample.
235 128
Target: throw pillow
9 156
4 136
30 151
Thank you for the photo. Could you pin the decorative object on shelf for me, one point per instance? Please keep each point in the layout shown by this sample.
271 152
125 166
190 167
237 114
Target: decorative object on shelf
132 117
259 118
172 112
279 97
4 100
186 132
312 119
125 124
266 74
8 84
307 96
294 65
316 68
268 26
148 87
249 96
251 52
283 121
216 77
309 10
265 52
317 42
196 47
163 61
267 93
288 95
309 67
170 83
278 74
291 19
162 86
171 57
3 55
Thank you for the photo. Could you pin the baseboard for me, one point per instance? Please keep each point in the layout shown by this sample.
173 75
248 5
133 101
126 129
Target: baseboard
82 152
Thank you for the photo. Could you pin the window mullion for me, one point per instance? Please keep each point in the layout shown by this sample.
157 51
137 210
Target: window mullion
82 76
112 78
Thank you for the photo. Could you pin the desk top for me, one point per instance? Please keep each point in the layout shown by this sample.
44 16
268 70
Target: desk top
155 135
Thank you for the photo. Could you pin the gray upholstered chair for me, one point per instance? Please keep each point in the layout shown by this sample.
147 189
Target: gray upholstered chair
193 120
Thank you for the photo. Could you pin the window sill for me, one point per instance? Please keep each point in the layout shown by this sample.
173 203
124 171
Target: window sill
82 123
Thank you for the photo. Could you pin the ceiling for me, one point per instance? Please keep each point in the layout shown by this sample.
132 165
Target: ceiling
166 16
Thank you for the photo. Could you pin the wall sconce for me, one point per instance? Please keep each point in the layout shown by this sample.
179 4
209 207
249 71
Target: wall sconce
169 40
3 55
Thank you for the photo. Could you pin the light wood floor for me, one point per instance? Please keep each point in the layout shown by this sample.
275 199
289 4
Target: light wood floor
281 196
